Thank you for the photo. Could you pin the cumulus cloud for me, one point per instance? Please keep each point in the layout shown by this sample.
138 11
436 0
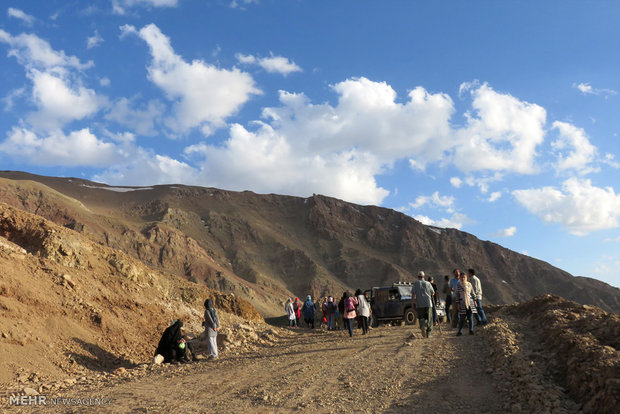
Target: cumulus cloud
509 232
34 52
19 14
56 88
310 143
142 120
456 182
482 182
266 162
94 40
457 221
300 148
57 149
60 102
121 6
579 206
146 168
501 135
494 196
446 202
272 64
573 149
203 95
587 89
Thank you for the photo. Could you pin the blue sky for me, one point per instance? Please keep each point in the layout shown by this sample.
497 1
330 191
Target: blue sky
497 118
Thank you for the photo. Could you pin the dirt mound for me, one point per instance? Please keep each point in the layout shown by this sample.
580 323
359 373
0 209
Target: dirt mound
550 346
71 307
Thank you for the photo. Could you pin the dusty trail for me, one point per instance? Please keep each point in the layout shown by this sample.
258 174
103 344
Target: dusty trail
318 371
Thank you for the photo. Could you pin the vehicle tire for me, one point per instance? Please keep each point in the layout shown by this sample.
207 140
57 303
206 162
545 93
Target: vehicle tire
409 317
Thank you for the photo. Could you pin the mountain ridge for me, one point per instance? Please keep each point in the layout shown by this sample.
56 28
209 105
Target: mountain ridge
267 247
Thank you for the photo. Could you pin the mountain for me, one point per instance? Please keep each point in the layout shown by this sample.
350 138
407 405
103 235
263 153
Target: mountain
265 248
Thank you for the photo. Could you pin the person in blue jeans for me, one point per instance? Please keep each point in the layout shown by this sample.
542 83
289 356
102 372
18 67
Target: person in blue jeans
475 282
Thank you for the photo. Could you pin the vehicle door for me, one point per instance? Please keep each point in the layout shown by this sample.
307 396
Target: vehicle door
393 307
379 302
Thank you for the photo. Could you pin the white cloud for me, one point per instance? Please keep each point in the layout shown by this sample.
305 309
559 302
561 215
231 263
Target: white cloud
456 182
305 142
579 206
446 202
9 99
483 182
57 149
94 40
337 150
19 14
141 120
457 221
587 89
245 59
238 4
146 168
58 101
266 162
34 52
573 149
502 135
272 64
203 95
121 6
612 240
610 160
509 232
495 196
104 81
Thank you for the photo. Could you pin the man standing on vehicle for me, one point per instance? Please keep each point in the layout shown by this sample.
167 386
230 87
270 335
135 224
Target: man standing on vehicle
422 296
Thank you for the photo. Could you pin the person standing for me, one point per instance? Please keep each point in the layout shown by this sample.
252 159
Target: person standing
422 298
212 326
465 304
290 312
341 309
331 313
308 311
475 282
453 284
297 309
363 310
434 302
350 302
448 294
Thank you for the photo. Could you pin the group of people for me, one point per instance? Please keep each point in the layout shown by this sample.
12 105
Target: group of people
463 295
174 343
350 308
463 299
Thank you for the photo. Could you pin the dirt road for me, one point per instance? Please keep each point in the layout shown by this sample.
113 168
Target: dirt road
317 371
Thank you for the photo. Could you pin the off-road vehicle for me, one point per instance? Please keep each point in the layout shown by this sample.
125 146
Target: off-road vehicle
391 303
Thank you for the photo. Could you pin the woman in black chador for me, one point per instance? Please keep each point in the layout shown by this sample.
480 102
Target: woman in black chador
172 346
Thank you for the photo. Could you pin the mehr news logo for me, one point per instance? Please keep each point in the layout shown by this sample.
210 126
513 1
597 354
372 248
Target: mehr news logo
44 400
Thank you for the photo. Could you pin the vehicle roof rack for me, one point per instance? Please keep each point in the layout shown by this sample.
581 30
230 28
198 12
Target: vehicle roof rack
402 284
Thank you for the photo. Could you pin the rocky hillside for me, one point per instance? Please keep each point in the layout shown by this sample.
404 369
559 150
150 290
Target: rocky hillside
71 306
267 247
